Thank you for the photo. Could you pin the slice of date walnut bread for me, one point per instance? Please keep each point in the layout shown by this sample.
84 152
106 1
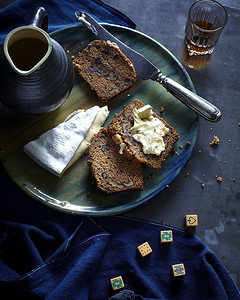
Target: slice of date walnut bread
111 171
120 130
106 69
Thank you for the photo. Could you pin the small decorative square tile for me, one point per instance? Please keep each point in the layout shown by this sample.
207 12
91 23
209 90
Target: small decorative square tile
166 236
178 270
144 249
191 220
117 283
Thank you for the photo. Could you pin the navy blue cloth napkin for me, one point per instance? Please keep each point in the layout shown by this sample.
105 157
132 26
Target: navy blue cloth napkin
39 263
60 14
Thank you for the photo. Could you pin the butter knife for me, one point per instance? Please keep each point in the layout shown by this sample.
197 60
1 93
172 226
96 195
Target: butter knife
146 70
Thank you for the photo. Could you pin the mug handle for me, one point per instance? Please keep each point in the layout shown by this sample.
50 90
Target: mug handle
40 18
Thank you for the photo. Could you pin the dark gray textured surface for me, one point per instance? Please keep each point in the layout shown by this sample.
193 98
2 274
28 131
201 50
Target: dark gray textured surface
217 204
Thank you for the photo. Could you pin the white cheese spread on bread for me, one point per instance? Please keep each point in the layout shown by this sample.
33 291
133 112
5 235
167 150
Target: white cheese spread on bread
58 148
148 130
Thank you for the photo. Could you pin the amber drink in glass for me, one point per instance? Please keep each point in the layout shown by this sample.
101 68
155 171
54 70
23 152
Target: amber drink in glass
206 20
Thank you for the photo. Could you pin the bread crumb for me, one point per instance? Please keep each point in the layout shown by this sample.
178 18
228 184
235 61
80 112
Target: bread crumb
167 186
187 175
188 144
203 185
151 176
161 110
219 179
215 141
234 179
180 146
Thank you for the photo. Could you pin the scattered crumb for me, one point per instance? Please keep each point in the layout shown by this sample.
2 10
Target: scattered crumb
67 51
176 152
187 175
161 110
151 176
167 186
188 144
72 57
215 141
239 124
199 150
219 179
203 185
234 179
180 146
229 141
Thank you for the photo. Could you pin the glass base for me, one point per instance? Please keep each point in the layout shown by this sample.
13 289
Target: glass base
194 49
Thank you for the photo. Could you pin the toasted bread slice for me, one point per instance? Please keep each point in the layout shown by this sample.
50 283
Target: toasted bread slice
119 129
106 69
112 171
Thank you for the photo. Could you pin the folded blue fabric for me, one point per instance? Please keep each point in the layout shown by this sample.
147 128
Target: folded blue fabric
39 263
60 14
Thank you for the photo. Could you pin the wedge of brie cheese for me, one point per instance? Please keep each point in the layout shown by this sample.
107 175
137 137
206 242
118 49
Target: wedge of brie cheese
58 148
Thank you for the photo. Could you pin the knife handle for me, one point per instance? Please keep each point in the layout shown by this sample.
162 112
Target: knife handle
195 102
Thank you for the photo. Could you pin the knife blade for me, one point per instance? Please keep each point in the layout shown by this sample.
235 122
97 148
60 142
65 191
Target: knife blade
146 70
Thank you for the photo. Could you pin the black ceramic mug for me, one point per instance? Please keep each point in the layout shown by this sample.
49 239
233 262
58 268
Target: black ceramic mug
36 73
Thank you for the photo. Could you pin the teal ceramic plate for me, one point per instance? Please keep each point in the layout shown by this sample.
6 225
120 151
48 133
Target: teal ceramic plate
74 192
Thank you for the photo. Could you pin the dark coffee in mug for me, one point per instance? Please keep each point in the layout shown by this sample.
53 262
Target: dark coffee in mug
27 52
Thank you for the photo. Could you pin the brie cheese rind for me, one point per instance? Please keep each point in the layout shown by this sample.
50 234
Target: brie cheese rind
58 148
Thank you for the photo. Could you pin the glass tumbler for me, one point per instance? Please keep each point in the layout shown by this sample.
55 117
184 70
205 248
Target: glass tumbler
205 23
